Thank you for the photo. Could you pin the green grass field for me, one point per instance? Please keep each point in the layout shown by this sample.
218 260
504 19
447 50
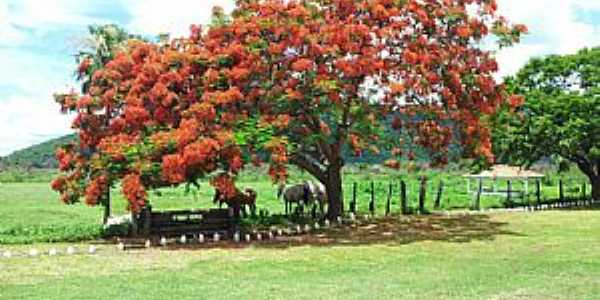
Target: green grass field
542 255
31 212
545 255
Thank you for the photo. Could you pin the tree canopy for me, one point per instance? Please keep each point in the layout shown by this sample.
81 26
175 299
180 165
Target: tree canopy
560 115
296 80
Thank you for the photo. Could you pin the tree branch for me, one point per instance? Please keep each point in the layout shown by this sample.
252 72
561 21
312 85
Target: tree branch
309 165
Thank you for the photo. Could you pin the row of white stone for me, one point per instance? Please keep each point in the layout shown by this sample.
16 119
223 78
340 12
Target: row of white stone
238 237
33 252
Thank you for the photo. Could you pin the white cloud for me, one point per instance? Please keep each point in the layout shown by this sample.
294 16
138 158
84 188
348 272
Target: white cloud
40 17
512 59
32 74
554 26
174 16
8 32
33 55
26 121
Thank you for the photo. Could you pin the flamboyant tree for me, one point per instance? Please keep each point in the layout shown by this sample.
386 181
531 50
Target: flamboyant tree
299 80
559 114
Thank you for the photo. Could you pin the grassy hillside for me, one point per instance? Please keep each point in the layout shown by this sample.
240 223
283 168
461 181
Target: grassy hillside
40 156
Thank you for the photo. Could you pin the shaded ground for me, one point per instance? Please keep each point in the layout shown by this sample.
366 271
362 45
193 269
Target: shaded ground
391 230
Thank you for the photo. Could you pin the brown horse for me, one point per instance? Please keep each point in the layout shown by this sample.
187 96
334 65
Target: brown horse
241 201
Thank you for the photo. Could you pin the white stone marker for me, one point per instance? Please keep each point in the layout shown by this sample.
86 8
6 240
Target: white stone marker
201 238
327 223
271 235
307 228
7 254
71 250
163 241
236 237
92 249
183 239
279 232
52 252
148 244
339 219
247 237
352 217
216 237
121 246
33 252
298 229
259 236
317 226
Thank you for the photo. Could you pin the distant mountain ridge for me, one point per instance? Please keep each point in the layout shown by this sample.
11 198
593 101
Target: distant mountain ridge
40 156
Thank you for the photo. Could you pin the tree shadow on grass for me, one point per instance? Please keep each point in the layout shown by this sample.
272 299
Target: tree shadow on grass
402 230
392 230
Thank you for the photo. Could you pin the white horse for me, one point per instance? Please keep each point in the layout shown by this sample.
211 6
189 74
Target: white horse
305 193
319 194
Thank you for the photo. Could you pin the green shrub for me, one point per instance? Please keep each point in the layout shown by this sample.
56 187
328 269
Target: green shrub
46 234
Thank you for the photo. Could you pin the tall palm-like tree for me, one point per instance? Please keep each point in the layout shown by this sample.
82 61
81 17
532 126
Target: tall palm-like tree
98 48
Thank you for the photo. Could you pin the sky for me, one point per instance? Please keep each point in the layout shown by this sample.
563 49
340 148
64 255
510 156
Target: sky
38 39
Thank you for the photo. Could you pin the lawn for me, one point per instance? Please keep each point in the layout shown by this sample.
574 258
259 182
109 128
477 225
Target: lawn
31 212
543 255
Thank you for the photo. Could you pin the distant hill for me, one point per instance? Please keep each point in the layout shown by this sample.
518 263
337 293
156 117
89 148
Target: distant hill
40 156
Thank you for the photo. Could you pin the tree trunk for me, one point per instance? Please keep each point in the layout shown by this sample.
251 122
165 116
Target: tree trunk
593 174
333 186
106 214
595 188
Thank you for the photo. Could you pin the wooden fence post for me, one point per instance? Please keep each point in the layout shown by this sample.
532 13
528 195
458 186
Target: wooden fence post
403 202
477 205
422 195
438 198
146 215
372 202
538 193
388 205
509 194
561 195
353 203
583 191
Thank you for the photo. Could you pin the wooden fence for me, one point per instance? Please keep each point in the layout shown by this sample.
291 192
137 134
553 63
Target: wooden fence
513 198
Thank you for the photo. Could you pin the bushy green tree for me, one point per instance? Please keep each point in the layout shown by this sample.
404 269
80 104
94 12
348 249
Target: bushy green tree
560 115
